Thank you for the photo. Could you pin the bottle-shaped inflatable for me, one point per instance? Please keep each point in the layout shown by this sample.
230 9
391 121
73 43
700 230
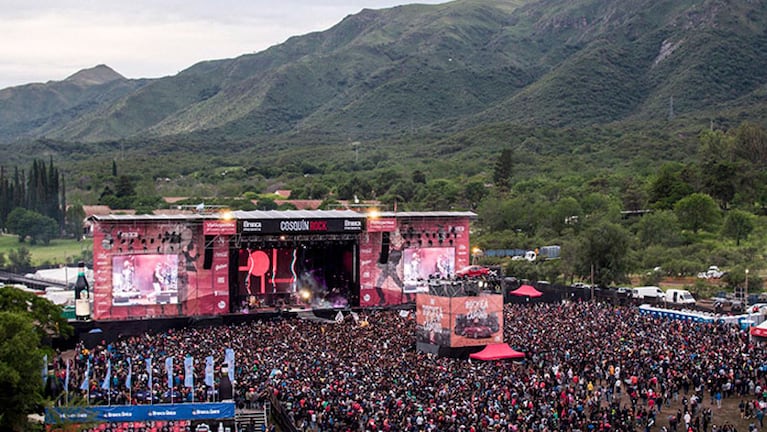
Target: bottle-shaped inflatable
82 294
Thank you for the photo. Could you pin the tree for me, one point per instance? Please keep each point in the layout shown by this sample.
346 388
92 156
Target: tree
669 186
418 176
605 247
19 260
74 219
46 315
503 169
567 212
659 228
20 366
27 223
738 225
473 193
697 211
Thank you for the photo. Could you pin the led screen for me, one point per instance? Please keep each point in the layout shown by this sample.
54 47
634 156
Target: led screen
422 263
144 280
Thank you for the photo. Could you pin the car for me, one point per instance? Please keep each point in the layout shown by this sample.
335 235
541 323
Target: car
472 271
713 272
477 332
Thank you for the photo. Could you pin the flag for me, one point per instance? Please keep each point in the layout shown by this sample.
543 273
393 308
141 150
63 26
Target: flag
189 371
66 379
169 371
84 385
356 317
106 384
229 360
45 368
209 371
149 371
129 378
339 317
404 313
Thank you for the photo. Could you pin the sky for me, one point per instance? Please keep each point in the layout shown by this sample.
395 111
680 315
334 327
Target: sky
49 40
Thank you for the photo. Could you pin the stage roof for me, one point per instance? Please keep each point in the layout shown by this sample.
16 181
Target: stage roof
236 215
297 214
276 214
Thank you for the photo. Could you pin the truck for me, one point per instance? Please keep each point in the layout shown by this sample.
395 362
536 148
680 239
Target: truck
680 297
652 293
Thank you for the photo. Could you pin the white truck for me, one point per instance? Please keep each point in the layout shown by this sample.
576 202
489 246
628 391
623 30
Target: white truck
680 297
651 293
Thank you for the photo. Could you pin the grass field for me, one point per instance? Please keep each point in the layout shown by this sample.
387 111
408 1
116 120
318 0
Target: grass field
59 251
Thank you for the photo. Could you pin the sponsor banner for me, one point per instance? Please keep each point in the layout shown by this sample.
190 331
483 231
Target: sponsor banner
219 227
287 226
125 413
220 277
432 316
476 320
379 225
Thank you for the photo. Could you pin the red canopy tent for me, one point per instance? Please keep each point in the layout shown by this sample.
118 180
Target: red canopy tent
497 352
526 290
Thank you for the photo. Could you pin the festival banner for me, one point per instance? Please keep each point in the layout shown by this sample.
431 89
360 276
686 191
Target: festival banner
433 319
229 360
476 320
125 413
129 378
209 371
107 383
189 371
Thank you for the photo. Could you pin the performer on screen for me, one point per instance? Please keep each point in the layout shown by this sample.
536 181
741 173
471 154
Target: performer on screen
388 269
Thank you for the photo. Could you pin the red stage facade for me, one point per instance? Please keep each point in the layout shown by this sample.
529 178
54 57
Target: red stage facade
210 264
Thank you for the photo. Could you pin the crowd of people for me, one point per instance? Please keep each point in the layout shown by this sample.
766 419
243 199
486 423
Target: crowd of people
588 367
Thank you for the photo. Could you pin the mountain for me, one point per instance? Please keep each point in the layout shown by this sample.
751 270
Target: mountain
35 110
436 70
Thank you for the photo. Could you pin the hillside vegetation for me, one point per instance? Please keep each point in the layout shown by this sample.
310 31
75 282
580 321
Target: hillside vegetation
529 112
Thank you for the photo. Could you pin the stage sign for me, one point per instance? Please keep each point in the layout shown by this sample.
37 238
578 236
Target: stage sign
381 225
296 226
134 413
219 227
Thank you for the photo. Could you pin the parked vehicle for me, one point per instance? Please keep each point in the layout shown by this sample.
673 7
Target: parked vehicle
679 296
648 293
713 272
472 271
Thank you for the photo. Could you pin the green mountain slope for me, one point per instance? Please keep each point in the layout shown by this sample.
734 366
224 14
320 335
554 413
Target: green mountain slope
439 70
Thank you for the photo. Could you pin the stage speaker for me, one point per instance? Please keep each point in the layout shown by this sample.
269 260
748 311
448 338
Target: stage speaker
207 262
383 257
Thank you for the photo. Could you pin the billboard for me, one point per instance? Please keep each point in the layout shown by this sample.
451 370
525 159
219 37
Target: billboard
144 279
459 321
432 314
476 320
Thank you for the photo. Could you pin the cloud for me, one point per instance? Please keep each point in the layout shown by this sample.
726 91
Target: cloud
146 39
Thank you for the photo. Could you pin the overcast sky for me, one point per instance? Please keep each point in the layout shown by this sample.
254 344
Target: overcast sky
45 40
